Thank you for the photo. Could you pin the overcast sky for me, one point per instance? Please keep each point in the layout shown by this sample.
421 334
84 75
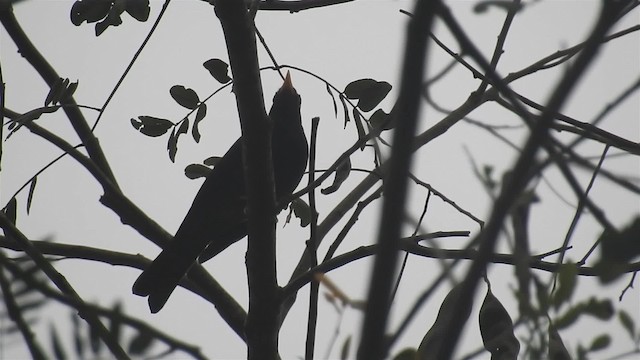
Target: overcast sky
363 39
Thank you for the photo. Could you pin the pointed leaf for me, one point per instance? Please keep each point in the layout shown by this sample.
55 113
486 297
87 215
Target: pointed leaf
496 328
627 323
195 171
200 114
184 127
172 146
601 342
433 339
333 99
184 96
218 69
342 173
346 111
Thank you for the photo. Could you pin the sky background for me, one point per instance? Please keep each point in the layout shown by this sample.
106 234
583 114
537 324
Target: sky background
363 39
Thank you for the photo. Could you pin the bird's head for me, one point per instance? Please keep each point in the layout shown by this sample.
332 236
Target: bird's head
286 102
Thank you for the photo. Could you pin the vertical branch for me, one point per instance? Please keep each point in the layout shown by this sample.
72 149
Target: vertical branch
395 186
263 317
312 245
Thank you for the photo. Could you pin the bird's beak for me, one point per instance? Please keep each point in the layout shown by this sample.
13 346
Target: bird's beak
287 82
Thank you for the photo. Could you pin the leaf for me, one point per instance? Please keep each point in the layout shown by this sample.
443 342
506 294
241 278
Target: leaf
218 69
618 248
433 339
380 120
333 99
138 9
212 161
301 210
359 127
496 328
70 90
184 97
140 343
55 92
89 11
342 173
32 189
601 309
567 279
112 19
195 171
346 111
368 92
628 323
58 349
557 350
152 126
355 89
184 127
172 146
344 351
200 114
569 317
601 342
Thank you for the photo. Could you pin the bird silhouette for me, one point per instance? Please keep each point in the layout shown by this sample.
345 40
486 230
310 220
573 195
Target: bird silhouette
217 218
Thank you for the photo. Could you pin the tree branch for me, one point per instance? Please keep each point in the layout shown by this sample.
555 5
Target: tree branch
264 301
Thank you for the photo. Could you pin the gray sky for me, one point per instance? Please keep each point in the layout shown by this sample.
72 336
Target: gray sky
363 39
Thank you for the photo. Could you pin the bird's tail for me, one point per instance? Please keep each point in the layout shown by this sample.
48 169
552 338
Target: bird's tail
163 275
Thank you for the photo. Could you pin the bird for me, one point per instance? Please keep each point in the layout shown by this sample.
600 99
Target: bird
217 217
